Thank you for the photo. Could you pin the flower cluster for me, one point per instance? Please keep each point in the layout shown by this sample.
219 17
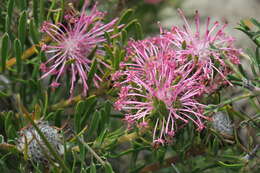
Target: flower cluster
209 50
73 43
32 145
163 77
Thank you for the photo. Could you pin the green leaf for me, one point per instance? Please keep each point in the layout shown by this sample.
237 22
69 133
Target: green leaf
41 15
99 141
92 72
241 70
255 22
7 24
253 70
90 104
117 57
23 5
108 168
4 50
232 77
22 28
125 16
130 25
139 31
35 12
33 32
62 9
78 114
11 132
103 122
108 108
8 124
124 36
160 154
94 123
46 104
2 140
53 3
92 53
107 36
257 57
215 145
42 56
109 54
18 54
10 8
35 72
231 165
2 94
93 168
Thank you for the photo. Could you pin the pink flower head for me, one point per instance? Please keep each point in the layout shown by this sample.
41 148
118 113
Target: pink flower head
73 43
208 50
156 89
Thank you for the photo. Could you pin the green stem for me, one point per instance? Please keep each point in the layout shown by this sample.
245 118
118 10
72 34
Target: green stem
234 68
103 163
212 108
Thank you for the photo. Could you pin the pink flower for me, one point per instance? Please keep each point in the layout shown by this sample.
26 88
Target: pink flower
73 43
208 50
157 90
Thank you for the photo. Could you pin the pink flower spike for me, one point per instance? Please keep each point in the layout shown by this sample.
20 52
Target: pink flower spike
72 43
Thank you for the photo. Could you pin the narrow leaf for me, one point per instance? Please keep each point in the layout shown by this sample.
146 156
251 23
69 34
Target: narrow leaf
10 8
93 168
92 72
130 25
125 16
22 28
90 106
77 116
36 12
139 31
7 24
4 50
41 15
18 54
33 32
94 123
23 5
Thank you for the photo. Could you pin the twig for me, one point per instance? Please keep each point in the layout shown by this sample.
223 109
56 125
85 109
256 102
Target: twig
175 168
103 163
66 103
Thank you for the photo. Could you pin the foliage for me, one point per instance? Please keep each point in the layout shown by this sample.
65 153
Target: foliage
95 137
